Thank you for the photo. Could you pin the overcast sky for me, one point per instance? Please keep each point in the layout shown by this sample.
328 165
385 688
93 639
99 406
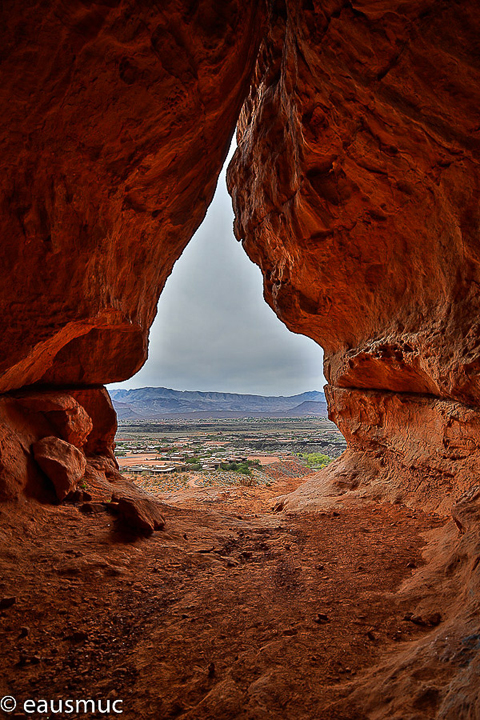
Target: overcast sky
214 331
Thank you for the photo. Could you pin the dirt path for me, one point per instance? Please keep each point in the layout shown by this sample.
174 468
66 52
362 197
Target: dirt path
192 481
233 612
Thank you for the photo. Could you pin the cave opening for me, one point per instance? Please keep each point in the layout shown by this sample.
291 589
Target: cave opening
353 594
214 331
221 359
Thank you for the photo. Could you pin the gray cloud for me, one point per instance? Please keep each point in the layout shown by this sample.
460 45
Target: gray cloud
214 331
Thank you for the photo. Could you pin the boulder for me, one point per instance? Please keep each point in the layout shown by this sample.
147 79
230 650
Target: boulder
62 410
61 462
142 514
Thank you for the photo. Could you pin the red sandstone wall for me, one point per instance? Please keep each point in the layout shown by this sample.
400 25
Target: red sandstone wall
356 183
115 119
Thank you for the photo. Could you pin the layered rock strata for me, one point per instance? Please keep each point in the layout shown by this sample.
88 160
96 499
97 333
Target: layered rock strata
406 448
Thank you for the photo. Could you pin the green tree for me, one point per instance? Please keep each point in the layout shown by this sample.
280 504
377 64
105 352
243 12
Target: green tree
317 460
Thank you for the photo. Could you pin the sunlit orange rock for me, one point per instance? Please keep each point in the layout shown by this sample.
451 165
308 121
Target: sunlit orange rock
67 416
115 120
96 403
355 187
403 447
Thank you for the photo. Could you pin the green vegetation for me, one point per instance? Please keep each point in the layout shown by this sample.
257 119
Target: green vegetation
241 467
316 460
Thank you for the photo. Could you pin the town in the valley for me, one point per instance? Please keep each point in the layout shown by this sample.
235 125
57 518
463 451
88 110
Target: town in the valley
163 456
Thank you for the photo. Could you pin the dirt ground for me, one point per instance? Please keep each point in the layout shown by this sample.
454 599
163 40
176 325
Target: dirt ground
142 459
233 611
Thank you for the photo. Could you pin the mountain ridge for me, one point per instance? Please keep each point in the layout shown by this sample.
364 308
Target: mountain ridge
155 402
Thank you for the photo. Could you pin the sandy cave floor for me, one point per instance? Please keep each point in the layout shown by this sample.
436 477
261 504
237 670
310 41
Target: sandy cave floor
233 611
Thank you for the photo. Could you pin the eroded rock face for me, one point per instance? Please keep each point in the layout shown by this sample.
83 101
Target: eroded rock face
355 186
66 415
115 120
59 446
356 191
406 448
27 418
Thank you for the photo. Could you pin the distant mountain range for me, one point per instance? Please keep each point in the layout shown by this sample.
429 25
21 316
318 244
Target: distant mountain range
162 403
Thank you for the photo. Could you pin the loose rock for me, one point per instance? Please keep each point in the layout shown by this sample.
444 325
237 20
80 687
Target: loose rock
62 462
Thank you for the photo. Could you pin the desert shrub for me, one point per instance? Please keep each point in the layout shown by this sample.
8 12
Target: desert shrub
317 460
229 466
244 468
